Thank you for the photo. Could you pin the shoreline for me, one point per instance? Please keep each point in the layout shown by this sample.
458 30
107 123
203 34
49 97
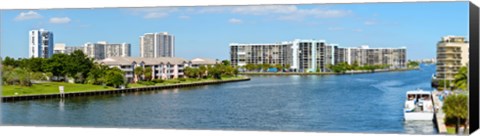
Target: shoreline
327 73
115 91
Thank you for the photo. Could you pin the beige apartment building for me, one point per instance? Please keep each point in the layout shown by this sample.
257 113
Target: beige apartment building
452 53
162 67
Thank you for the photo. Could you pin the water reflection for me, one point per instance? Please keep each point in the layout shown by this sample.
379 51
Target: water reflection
346 103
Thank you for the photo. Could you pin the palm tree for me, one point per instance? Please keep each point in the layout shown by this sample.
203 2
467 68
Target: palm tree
461 79
148 73
138 72
203 71
456 106
287 66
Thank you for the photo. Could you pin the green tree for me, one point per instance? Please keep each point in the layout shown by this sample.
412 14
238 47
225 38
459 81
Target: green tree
456 106
287 66
355 66
412 64
250 67
279 67
78 65
114 77
226 62
265 67
138 71
148 73
461 78
236 72
34 64
203 71
187 71
216 72
96 73
16 76
7 61
56 65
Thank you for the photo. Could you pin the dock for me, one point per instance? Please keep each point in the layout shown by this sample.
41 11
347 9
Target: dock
439 116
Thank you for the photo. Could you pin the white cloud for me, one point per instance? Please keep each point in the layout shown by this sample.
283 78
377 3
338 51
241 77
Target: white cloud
60 20
184 17
336 28
208 10
370 22
280 12
235 21
285 12
264 10
27 16
148 10
357 30
153 15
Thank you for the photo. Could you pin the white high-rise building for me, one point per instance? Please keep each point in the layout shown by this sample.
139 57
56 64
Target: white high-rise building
117 50
102 50
313 55
40 43
155 45
62 48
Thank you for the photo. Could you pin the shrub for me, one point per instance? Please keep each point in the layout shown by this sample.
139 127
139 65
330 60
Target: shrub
158 81
146 83
182 79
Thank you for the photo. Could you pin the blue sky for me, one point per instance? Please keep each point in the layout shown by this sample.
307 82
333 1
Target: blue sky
207 31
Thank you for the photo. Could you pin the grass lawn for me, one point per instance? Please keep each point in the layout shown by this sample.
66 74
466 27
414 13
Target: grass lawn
188 80
52 87
49 88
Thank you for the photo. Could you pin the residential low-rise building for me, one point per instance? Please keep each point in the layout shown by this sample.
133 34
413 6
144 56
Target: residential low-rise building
197 62
162 67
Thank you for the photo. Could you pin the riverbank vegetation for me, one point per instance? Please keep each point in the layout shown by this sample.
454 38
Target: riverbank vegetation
413 64
75 67
182 81
455 108
343 67
339 68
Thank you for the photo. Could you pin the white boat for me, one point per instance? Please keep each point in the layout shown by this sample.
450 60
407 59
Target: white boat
418 105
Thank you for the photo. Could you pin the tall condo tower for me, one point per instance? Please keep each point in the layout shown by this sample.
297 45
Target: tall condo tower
155 45
41 43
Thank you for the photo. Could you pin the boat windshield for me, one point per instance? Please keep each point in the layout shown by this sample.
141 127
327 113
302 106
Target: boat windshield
411 97
425 97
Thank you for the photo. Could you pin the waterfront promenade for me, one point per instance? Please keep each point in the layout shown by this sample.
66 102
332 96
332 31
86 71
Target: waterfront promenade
439 115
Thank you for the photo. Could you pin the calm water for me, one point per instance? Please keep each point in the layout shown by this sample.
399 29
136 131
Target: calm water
347 103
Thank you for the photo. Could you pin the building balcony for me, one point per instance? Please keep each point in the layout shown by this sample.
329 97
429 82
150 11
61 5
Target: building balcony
449 58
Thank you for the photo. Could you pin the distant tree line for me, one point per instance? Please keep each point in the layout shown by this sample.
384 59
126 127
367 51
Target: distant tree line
343 67
413 64
264 67
59 68
212 71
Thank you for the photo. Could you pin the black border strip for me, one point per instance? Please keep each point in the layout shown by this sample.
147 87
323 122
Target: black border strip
473 68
